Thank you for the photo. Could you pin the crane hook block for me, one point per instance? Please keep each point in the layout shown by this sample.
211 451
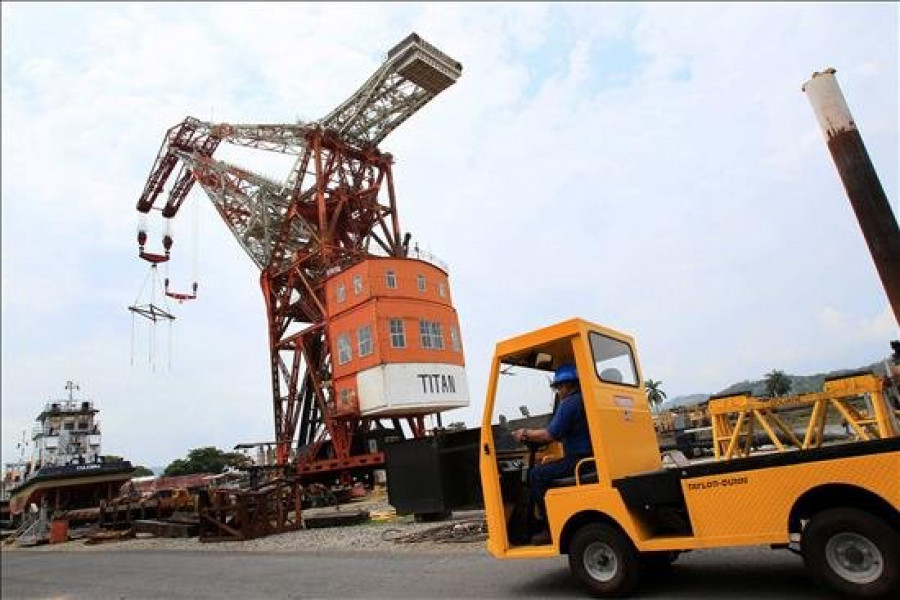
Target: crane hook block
182 297
154 258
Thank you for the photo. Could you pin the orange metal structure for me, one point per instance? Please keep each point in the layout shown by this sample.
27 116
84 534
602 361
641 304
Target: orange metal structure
411 303
332 219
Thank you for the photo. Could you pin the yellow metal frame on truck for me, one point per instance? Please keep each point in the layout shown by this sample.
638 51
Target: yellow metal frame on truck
734 416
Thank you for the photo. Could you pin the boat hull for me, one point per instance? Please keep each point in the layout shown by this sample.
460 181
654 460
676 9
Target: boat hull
70 486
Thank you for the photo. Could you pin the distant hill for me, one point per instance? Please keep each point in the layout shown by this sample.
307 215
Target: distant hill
689 400
800 384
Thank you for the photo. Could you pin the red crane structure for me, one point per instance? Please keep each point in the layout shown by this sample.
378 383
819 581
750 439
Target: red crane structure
335 214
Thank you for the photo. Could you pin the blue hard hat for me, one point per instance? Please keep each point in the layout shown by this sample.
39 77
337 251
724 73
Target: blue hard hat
564 374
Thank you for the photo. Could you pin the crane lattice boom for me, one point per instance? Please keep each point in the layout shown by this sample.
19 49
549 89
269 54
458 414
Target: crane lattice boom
414 73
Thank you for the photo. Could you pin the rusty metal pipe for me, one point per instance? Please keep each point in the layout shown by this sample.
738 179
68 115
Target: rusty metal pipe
867 197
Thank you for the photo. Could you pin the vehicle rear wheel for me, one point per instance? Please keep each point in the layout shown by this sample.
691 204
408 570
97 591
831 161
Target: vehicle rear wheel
604 560
853 552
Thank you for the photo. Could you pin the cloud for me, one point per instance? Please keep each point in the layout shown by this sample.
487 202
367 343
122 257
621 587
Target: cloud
652 167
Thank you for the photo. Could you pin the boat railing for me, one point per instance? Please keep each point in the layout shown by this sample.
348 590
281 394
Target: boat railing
34 529
55 431
68 406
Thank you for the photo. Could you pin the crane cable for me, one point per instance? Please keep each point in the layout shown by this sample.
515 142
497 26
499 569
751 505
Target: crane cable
195 240
152 276
140 293
195 249
195 244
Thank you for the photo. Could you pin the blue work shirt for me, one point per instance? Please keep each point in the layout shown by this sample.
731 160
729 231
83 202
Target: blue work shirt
569 426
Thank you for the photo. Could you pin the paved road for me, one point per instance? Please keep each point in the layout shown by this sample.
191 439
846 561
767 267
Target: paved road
744 573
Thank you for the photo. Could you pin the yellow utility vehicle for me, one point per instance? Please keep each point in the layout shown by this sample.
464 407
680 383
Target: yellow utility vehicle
624 513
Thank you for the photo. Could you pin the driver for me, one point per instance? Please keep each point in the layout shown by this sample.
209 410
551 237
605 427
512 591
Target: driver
569 426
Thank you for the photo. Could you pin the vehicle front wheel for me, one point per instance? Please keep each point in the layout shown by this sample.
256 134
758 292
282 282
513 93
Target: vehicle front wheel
604 560
853 552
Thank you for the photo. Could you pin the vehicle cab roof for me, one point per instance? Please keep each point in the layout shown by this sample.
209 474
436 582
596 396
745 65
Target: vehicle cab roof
529 349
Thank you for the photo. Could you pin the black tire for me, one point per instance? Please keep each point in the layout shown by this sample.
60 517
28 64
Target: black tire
853 552
604 560
658 562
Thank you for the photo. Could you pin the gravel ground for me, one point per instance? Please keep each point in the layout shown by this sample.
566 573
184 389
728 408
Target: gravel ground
376 535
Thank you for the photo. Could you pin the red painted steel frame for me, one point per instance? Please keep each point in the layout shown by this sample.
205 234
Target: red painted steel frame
345 212
335 197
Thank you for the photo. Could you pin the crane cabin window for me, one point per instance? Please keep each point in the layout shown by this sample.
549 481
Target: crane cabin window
398 336
390 279
421 281
613 360
341 293
430 335
364 336
345 352
357 285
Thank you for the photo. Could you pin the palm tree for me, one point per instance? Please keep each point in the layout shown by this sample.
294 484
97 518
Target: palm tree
777 383
655 395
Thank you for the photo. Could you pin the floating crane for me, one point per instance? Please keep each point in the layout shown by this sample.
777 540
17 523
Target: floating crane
334 267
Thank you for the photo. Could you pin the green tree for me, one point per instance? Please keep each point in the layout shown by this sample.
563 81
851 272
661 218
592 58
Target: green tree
456 426
206 460
141 471
180 466
777 383
655 395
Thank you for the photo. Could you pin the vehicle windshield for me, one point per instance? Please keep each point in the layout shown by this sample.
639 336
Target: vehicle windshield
524 400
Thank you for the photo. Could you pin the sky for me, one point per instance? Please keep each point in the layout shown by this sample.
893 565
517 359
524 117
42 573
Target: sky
651 167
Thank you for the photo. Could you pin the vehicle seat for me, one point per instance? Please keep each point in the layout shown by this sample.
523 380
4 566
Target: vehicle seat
588 473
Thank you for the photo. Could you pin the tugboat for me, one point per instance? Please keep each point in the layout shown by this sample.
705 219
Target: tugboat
66 470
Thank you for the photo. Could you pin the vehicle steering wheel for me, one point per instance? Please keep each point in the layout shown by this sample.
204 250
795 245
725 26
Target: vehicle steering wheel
532 455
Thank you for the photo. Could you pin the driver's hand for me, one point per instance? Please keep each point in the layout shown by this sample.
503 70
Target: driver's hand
518 434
